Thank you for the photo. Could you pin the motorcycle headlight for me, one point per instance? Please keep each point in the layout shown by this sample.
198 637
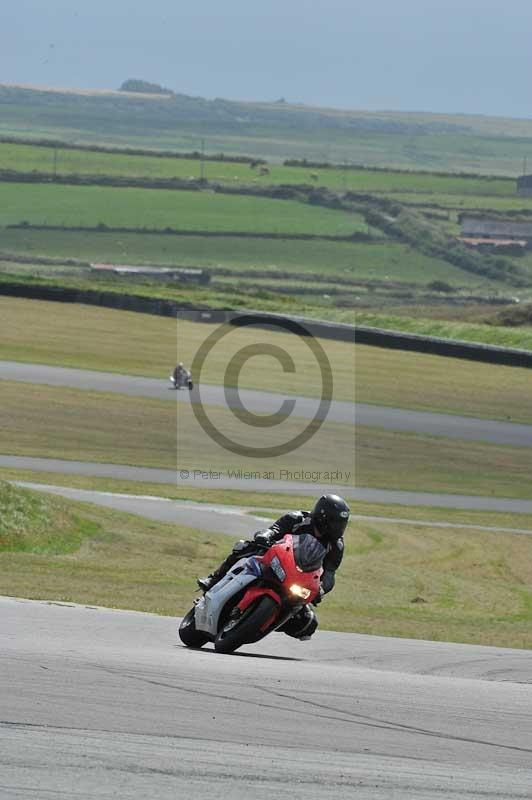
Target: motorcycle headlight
277 569
300 591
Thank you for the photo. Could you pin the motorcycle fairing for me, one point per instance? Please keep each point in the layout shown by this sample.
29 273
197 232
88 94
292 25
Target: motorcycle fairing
253 594
208 609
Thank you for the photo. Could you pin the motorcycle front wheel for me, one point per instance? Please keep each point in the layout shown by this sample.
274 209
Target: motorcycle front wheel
188 633
248 628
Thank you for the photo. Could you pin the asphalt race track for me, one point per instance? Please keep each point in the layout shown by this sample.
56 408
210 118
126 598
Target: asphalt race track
107 704
168 476
165 476
235 521
97 703
451 426
448 425
154 388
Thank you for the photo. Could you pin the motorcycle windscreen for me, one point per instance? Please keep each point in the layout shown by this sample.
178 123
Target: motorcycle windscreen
308 552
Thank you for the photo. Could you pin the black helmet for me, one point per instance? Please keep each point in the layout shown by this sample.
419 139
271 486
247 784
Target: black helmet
330 515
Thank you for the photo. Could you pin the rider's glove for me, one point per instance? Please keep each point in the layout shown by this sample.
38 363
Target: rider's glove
264 539
242 546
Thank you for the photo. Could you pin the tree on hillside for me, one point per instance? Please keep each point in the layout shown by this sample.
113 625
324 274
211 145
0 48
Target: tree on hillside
137 85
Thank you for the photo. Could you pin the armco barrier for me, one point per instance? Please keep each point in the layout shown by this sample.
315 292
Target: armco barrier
169 308
325 330
443 347
318 328
92 297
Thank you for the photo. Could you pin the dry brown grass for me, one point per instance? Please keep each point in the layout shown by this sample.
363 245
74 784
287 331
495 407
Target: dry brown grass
73 335
54 422
471 586
396 460
435 383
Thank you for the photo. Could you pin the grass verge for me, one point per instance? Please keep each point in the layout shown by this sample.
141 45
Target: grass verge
420 463
72 335
271 502
450 385
422 583
217 496
34 523
461 586
56 422
127 562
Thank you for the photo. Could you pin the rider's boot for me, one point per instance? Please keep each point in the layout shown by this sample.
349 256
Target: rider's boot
212 579
240 549
207 582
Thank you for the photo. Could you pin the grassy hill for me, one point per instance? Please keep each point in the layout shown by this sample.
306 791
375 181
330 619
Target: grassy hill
274 130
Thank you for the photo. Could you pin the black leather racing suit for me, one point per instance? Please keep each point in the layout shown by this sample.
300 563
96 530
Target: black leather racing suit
180 375
305 622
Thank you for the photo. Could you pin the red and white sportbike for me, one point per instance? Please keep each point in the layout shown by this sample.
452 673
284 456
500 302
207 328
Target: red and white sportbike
257 596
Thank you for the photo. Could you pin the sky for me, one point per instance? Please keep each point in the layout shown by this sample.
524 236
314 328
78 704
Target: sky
459 56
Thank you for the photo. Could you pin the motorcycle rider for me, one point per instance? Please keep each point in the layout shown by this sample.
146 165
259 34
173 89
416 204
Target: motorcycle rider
326 522
180 375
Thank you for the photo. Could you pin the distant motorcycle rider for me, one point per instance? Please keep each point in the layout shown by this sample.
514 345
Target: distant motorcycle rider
326 522
180 376
179 372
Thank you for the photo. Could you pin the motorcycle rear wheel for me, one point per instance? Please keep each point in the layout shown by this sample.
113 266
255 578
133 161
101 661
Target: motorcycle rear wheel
247 630
188 633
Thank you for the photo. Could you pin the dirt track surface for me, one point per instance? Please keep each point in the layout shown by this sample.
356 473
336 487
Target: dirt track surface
106 703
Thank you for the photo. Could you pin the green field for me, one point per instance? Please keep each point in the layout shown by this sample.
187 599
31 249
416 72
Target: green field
33 523
382 261
403 272
89 206
28 158
456 585
123 562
